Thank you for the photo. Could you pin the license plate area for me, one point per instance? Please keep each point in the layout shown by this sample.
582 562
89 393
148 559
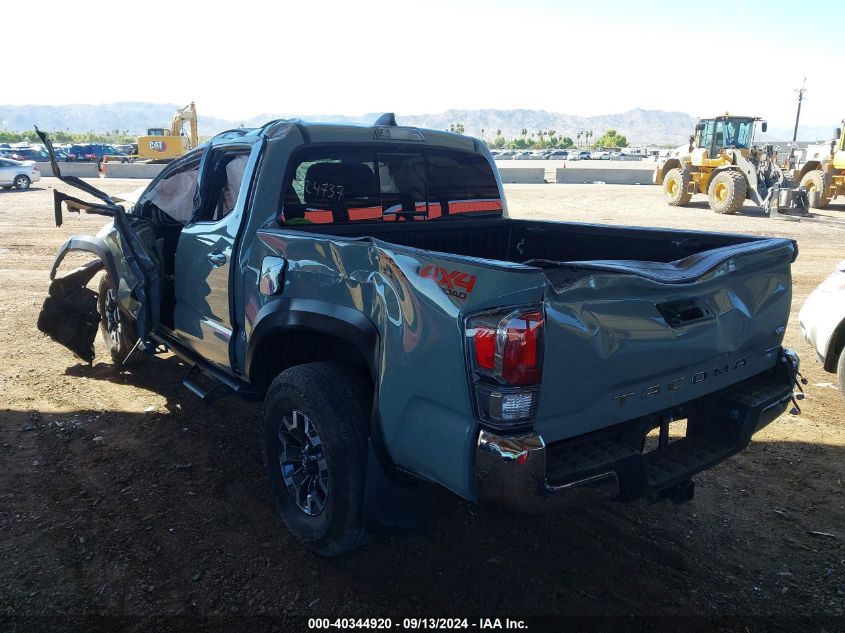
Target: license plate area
665 434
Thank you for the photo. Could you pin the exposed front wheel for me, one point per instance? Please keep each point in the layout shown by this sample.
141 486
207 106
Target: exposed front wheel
727 191
315 452
22 182
117 328
675 187
813 181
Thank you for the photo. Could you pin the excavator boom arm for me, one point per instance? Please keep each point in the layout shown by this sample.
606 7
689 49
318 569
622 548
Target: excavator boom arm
189 114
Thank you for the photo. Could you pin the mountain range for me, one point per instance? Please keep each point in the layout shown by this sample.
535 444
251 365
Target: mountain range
640 126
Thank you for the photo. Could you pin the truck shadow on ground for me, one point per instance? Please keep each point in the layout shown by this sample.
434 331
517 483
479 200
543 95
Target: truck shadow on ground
161 375
169 513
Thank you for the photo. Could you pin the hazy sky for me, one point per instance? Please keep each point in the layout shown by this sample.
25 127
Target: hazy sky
239 59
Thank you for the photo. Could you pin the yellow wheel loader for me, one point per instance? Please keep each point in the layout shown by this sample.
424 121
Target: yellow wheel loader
823 170
161 145
722 162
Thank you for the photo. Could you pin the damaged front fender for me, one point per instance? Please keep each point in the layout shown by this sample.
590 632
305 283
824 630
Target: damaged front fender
91 244
69 315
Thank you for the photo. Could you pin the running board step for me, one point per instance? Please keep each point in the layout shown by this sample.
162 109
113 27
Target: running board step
205 387
204 379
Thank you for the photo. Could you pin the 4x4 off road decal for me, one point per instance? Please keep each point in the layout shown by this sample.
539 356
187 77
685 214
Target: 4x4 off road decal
454 283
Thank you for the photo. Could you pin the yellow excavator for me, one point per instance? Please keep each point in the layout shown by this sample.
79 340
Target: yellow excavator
161 145
823 170
722 162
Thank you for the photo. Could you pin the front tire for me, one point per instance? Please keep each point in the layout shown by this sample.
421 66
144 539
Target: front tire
813 181
314 432
727 191
117 328
22 182
675 187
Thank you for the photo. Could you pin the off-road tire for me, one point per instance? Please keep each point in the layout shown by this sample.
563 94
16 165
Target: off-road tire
813 181
675 185
22 182
337 403
122 348
727 191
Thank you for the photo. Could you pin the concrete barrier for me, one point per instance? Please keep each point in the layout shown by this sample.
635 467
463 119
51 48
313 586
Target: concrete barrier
80 170
511 175
607 176
132 170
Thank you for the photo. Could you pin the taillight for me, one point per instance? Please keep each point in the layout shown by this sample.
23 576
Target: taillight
521 359
484 341
505 350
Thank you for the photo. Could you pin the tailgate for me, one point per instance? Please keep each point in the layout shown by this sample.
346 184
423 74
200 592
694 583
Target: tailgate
626 339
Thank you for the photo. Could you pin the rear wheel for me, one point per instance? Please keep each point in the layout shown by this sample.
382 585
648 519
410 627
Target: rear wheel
22 182
675 185
315 452
813 181
727 191
117 328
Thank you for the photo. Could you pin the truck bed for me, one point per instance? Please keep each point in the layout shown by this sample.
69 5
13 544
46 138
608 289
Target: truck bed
541 243
637 320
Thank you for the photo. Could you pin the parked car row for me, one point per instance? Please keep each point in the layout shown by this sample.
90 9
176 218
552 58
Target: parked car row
554 154
79 152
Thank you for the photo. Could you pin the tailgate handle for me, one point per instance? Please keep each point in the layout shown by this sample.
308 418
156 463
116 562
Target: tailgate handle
684 312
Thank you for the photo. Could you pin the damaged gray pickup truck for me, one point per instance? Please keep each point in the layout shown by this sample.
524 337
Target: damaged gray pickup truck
367 283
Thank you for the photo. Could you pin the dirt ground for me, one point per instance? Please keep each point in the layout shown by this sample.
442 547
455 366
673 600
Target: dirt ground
123 495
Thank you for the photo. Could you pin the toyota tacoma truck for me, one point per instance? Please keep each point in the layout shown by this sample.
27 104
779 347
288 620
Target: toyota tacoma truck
402 330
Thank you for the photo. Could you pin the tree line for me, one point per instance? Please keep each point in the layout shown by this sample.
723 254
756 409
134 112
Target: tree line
116 137
548 139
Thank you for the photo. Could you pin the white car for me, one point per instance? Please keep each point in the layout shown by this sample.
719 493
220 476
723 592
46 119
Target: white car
17 174
822 320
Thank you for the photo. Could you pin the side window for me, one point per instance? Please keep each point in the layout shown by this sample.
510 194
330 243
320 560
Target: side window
706 137
222 184
720 134
174 194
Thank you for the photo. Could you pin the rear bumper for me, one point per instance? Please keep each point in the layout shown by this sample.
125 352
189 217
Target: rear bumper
524 473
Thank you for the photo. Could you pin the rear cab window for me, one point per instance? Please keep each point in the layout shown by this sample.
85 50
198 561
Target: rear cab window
341 184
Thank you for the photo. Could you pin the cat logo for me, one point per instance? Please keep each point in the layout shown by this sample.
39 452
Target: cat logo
158 146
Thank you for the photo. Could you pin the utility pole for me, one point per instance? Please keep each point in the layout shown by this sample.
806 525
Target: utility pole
800 92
